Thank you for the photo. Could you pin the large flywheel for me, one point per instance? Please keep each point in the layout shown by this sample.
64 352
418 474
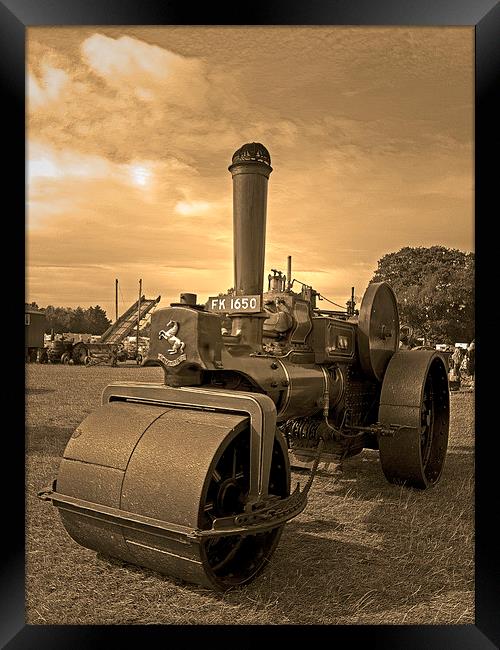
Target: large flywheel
378 329
414 408
145 483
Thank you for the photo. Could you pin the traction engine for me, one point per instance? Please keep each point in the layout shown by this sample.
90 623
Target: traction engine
191 477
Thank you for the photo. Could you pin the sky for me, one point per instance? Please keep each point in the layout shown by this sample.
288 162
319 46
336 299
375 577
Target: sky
130 131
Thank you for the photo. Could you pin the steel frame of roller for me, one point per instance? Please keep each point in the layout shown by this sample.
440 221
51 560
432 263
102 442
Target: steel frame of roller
191 477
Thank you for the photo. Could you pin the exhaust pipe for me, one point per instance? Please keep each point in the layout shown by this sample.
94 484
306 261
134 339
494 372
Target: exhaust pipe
250 169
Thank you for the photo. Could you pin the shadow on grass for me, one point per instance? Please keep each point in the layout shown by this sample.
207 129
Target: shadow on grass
322 526
392 559
363 475
397 555
463 449
38 391
47 440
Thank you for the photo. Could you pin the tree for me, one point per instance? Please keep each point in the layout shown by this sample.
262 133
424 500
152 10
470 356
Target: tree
58 319
96 320
78 320
435 291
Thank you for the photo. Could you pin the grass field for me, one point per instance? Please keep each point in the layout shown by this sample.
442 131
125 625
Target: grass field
363 551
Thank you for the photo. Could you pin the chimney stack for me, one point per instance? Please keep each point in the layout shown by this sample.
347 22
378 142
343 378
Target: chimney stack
250 169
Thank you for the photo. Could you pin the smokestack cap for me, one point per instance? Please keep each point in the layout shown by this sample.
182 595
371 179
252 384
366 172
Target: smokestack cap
252 152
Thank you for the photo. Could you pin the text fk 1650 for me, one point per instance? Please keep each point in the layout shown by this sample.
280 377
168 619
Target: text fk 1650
229 304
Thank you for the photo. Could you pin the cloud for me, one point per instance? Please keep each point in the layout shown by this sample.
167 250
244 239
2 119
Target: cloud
87 210
46 162
189 208
127 99
46 89
456 186
51 171
148 71
131 135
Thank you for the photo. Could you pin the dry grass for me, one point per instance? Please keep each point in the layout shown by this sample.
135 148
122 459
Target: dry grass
363 551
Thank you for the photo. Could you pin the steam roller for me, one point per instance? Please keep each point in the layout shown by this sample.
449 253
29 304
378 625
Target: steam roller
191 477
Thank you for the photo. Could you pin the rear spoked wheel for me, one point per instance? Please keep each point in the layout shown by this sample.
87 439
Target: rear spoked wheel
427 423
415 399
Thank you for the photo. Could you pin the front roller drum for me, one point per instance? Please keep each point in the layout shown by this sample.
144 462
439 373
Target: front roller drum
167 472
414 410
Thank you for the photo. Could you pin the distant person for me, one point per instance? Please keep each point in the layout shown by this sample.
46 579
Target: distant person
457 358
403 342
406 341
471 359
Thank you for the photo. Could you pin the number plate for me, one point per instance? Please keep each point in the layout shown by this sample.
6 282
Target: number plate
235 304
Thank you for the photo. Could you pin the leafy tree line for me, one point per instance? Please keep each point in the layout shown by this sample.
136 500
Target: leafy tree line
435 291
78 320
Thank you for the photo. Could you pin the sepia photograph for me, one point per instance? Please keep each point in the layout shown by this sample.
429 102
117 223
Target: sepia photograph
250 325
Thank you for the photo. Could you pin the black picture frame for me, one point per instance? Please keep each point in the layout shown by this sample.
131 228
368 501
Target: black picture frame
484 16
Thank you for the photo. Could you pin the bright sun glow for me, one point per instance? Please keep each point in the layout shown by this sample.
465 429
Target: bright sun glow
140 175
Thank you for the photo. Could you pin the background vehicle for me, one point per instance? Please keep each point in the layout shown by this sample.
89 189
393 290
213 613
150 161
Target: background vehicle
35 323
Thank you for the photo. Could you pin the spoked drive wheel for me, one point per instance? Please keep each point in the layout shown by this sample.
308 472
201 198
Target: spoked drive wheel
414 398
178 469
